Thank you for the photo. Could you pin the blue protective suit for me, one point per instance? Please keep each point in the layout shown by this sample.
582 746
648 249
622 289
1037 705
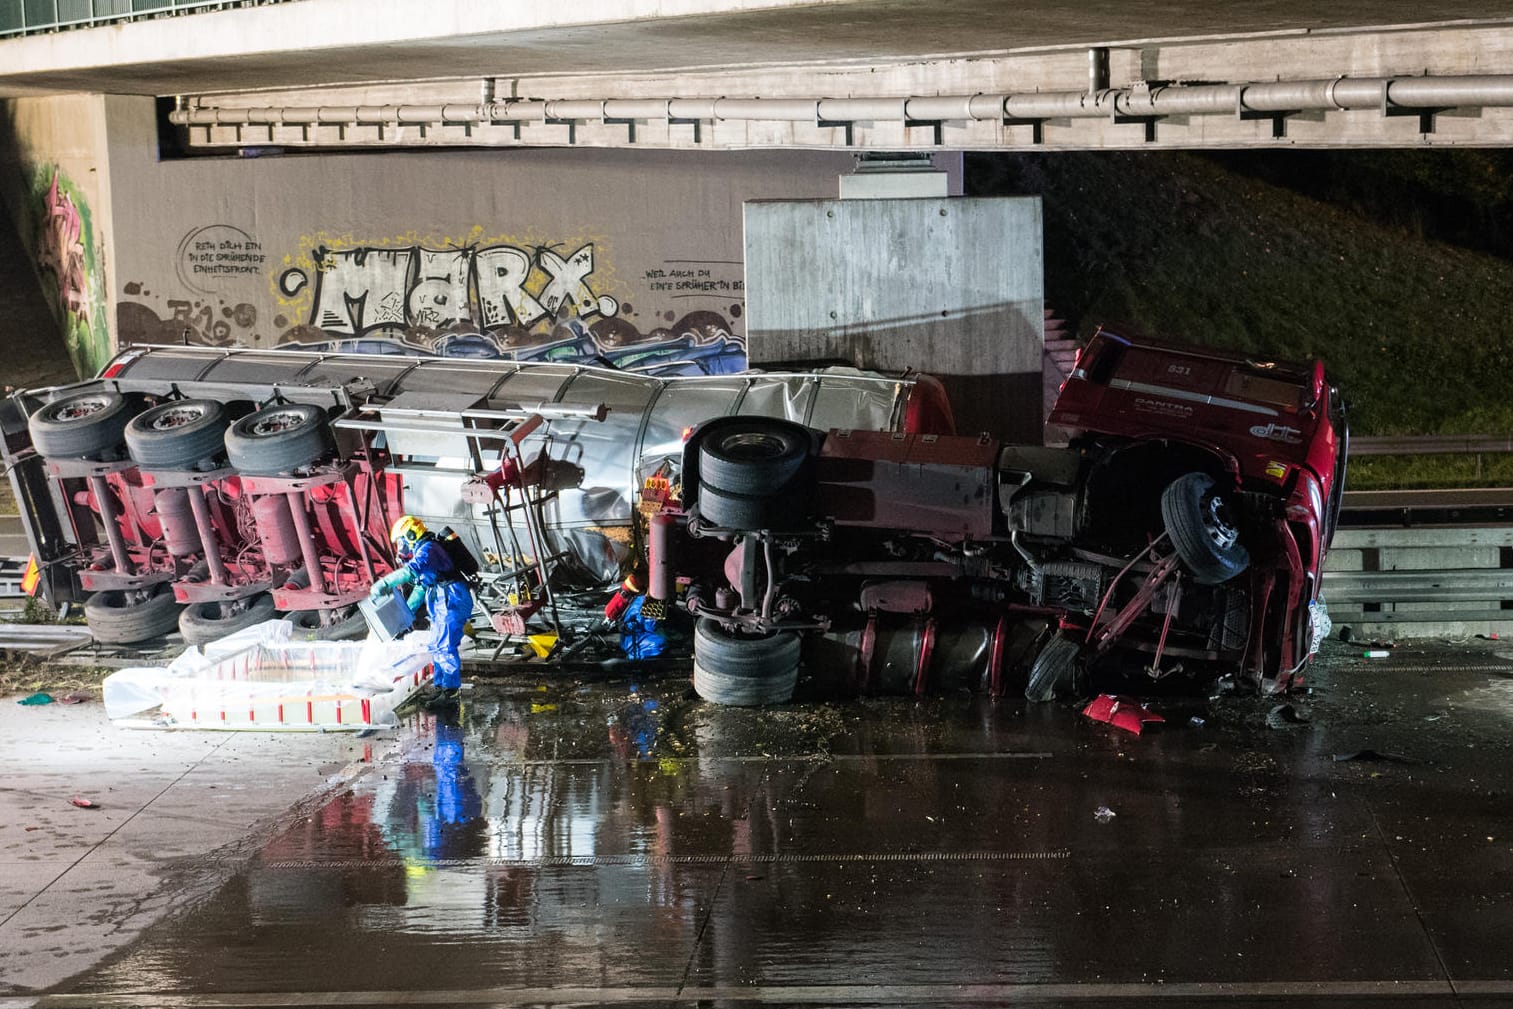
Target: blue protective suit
641 636
449 603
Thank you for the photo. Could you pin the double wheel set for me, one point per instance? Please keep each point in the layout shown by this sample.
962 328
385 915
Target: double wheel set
755 474
186 446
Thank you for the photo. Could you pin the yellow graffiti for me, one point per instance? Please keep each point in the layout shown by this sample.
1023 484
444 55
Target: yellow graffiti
308 261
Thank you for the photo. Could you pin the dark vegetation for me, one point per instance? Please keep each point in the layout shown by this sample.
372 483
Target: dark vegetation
1394 267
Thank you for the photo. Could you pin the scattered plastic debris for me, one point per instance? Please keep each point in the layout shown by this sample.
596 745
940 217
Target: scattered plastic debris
539 646
1103 814
1197 721
1283 716
1369 754
84 803
1488 637
40 697
1121 712
77 697
1375 653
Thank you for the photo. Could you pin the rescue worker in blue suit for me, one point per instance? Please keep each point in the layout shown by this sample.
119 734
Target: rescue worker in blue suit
425 565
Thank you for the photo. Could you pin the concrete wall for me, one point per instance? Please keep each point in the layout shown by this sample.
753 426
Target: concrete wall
537 253
53 181
952 287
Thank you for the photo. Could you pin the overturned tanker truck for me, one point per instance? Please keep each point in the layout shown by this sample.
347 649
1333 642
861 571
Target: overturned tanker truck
828 518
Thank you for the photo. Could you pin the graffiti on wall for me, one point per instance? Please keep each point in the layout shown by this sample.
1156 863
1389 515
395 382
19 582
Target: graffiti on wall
471 296
360 290
67 261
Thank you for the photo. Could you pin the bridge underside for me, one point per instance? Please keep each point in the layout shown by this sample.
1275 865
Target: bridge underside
880 75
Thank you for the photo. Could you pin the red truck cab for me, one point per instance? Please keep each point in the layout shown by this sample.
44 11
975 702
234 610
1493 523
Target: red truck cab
1271 435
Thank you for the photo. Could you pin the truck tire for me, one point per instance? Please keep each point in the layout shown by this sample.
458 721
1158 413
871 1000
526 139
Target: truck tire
759 456
202 623
728 669
308 627
177 435
1201 529
739 511
116 619
1056 671
82 426
278 439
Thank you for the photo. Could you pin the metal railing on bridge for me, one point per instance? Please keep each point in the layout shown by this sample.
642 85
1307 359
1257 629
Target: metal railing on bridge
29 17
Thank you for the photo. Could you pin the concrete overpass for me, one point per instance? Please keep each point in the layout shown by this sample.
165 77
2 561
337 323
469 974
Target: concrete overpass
842 74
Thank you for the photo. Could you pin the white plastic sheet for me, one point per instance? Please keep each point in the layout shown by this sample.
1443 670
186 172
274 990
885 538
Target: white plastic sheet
261 680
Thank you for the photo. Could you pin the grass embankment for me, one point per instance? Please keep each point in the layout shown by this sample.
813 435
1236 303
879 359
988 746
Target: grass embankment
1412 330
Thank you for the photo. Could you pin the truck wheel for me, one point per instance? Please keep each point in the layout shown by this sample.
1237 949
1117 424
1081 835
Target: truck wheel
308 627
738 511
202 623
1202 529
1056 671
82 426
116 618
278 439
728 669
177 435
759 456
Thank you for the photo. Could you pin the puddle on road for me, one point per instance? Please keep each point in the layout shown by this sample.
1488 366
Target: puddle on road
563 834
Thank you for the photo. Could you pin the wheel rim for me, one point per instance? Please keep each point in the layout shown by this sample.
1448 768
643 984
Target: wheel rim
277 422
751 445
1217 522
176 417
82 407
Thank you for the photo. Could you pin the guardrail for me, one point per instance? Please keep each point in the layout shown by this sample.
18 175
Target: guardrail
1430 444
29 17
1422 581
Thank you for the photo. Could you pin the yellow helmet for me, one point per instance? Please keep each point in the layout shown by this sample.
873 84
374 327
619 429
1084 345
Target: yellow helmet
405 532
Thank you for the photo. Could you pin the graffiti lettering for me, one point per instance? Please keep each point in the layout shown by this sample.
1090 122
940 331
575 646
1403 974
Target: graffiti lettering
215 253
62 251
502 273
360 290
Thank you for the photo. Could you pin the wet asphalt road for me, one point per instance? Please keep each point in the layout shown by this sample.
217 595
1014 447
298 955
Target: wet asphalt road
606 843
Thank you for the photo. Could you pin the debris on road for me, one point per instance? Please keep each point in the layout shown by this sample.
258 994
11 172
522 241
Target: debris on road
1121 712
84 803
40 697
1284 716
1103 814
260 679
1369 754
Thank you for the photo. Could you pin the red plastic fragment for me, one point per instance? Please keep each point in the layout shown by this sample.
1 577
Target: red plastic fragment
1121 712
83 803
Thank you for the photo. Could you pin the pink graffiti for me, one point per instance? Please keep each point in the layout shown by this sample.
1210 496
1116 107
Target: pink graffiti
60 249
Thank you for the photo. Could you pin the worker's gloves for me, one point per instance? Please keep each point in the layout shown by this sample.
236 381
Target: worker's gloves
384 586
